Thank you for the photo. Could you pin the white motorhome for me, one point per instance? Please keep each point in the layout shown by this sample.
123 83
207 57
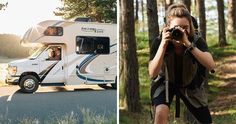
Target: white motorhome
71 53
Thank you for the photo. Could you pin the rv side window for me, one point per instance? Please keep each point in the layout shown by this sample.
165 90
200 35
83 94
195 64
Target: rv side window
89 45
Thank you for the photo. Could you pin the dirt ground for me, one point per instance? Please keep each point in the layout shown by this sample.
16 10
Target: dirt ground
226 99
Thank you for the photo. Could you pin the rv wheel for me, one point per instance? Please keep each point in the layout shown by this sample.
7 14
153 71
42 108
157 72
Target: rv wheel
29 84
114 85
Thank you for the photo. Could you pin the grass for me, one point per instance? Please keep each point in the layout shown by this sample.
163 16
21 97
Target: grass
225 117
87 117
218 53
141 40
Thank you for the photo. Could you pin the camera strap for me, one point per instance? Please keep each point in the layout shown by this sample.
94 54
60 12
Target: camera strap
177 106
166 84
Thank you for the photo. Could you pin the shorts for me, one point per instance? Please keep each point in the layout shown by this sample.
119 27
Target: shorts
202 114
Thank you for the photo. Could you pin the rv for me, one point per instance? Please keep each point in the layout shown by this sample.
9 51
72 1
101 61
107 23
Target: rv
71 53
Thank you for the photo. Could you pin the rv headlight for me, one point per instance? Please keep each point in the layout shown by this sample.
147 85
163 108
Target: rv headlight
53 31
12 70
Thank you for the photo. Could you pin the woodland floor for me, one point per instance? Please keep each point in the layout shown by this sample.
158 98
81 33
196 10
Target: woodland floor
226 97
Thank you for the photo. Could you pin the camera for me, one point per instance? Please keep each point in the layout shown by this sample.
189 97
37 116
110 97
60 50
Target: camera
175 33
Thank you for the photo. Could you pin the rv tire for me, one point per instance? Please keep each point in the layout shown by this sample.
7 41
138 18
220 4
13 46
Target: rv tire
29 84
114 85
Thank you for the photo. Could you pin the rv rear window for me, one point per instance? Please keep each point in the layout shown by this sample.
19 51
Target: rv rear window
53 31
92 45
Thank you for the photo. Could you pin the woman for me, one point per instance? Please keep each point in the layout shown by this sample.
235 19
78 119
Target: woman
177 65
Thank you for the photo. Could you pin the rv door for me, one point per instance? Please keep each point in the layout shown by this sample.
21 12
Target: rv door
51 65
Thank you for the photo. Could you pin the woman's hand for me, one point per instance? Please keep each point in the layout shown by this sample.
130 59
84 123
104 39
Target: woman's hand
184 39
166 36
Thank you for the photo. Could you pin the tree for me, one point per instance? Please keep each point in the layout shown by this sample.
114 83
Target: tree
131 85
187 3
202 18
168 3
3 6
221 23
136 10
97 10
142 7
232 18
121 56
153 28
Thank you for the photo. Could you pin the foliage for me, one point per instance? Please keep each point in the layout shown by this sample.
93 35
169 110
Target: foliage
3 6
12 47
97 10
142 40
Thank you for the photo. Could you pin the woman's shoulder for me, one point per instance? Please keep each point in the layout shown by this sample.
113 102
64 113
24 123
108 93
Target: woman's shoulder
201 43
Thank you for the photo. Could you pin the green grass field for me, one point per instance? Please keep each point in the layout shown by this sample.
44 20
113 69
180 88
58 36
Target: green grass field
218 54
87 117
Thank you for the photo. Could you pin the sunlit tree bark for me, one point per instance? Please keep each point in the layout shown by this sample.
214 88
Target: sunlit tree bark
221 23
153 28
131 86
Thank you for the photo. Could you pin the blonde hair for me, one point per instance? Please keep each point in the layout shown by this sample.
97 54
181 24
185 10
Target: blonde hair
180 11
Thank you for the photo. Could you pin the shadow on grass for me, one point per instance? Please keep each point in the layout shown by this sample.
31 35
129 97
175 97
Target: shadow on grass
226 118
219 53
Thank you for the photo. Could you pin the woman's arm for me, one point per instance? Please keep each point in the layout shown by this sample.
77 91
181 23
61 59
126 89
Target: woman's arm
156 63
204 58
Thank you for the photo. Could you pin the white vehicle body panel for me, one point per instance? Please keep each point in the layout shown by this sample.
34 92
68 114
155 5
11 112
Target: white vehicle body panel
73 68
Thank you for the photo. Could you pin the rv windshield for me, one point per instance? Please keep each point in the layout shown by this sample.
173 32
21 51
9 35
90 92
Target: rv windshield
37 52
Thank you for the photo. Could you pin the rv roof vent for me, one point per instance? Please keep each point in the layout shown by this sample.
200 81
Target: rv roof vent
83 19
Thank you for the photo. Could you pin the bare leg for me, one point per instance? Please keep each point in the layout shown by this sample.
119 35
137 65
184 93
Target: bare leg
161 114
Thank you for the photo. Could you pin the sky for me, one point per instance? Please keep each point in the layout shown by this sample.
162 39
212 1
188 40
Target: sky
23 14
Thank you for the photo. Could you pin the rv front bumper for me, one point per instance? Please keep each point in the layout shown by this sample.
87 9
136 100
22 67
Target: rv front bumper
12 79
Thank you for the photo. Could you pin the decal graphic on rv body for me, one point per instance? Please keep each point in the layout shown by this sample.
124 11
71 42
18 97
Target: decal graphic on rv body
81 69
45 72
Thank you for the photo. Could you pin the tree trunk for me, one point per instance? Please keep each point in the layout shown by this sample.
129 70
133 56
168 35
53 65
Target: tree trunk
143 23
131 85
221 23
232 18
202 18
187 3
153 28
136 10
121 56
121 41
168 3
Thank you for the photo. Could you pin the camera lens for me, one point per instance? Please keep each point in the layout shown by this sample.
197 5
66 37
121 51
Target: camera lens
176 34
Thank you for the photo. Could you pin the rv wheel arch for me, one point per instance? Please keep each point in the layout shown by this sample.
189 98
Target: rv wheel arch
29 73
